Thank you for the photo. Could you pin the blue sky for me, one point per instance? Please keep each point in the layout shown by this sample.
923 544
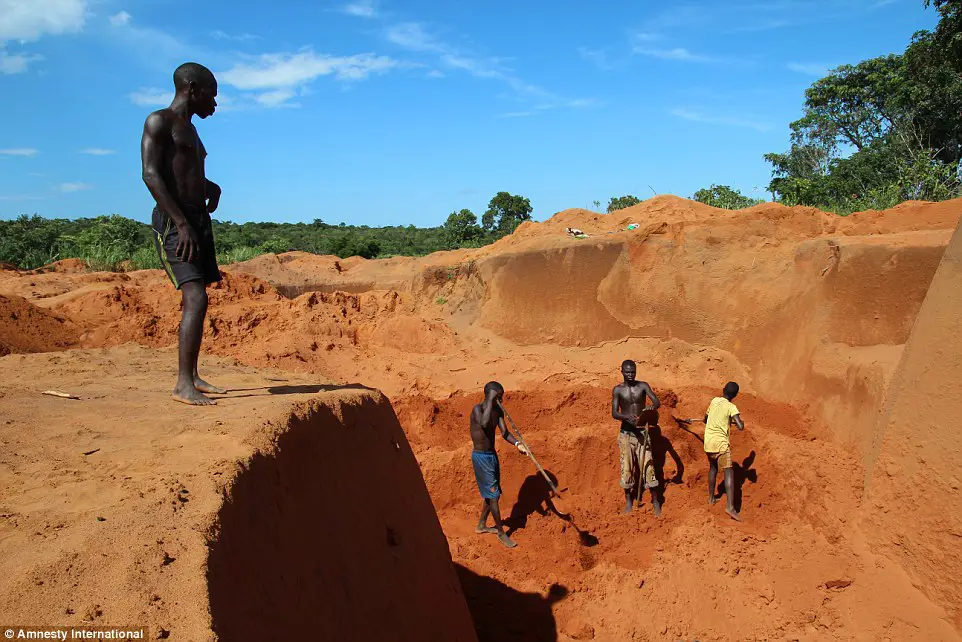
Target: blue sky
377 112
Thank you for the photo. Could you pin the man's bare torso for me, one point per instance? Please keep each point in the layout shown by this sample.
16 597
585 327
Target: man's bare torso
483 436
631 401
183 167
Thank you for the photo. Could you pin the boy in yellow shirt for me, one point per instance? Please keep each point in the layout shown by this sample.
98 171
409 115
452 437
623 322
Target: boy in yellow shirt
718 419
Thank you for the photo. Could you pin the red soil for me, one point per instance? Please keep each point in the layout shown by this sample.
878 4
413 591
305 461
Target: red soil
808 311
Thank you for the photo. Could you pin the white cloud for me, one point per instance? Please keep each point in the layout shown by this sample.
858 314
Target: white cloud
152 97
434 73
35 174
276 98
28 20
411 35
241 37
74 187
275 71
727 121
158 48
97 151
517 114
361 9
19 151
16 63
120 19
677 53
809 69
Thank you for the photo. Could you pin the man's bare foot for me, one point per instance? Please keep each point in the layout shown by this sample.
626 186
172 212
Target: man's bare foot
734 515
192 397
507 541
482 530
712 500
657 509
203 386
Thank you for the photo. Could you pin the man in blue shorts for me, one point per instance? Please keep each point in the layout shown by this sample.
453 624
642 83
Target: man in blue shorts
487 469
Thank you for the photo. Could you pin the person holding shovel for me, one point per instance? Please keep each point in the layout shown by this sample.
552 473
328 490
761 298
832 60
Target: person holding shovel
487 469
718 419
627 405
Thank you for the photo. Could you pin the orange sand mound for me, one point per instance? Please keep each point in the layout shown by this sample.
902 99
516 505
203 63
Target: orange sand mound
810 312
26 328
249 520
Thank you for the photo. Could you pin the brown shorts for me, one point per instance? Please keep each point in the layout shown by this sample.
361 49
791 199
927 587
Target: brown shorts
635 459
724 459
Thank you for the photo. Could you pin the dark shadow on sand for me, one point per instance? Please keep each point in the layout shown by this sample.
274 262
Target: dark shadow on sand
306 389
534 496
743 472
503 613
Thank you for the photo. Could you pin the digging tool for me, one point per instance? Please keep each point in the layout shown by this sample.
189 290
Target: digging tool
554 489
684 423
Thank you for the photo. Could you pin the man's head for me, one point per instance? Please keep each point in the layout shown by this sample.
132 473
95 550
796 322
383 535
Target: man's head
196 83
494 387
731 390
628 370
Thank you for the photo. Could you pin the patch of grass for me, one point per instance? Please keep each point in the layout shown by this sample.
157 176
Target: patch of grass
145 258
440 300
239 254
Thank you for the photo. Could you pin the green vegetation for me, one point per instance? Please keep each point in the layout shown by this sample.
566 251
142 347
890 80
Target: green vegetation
118 243
724 197
622 202
880 132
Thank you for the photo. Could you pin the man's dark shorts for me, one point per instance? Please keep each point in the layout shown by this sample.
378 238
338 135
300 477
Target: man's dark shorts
487 472
165 241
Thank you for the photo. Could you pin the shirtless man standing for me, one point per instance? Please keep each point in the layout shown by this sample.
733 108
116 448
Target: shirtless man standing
173 170
487 469
627 404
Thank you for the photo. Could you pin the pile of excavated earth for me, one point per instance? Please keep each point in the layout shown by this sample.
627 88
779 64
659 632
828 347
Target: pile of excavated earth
330 493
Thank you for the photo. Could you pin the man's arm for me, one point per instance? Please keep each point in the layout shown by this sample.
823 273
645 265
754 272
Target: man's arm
738 422
655 403
213 196
616 409
152 156
508 436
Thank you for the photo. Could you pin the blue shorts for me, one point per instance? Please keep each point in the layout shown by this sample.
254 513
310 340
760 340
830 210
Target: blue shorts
487 471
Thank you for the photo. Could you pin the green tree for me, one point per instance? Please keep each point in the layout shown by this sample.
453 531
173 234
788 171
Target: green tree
505 213
461 228
622 202
878 129
724 197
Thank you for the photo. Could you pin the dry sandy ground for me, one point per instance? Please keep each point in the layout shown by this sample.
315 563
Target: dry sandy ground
811 313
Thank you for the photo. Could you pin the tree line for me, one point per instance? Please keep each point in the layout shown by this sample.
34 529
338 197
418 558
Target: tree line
871 135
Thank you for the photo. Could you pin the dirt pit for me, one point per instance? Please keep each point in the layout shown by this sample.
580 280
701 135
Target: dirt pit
583 570
794 304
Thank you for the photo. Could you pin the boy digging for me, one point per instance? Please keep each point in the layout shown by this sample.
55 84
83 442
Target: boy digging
721 413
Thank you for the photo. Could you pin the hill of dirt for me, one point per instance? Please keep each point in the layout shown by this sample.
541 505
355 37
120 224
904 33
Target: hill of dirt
249 520
810 312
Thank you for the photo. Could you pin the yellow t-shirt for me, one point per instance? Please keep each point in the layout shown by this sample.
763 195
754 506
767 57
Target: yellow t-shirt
720 412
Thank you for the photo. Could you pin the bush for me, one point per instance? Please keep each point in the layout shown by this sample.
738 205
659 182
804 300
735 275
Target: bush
622 202
724 197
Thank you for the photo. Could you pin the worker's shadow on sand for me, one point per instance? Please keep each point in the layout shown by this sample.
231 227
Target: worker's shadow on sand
742 472
304 389
503 613
535 497
661 449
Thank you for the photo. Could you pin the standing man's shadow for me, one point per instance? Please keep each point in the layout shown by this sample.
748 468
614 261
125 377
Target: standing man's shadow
661 449
741 472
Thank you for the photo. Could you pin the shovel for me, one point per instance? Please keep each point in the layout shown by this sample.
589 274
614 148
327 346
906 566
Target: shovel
554 489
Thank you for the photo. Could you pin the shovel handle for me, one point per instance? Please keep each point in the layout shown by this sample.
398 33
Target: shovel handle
530 454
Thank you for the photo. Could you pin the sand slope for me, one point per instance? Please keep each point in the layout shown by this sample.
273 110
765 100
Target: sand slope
250 520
